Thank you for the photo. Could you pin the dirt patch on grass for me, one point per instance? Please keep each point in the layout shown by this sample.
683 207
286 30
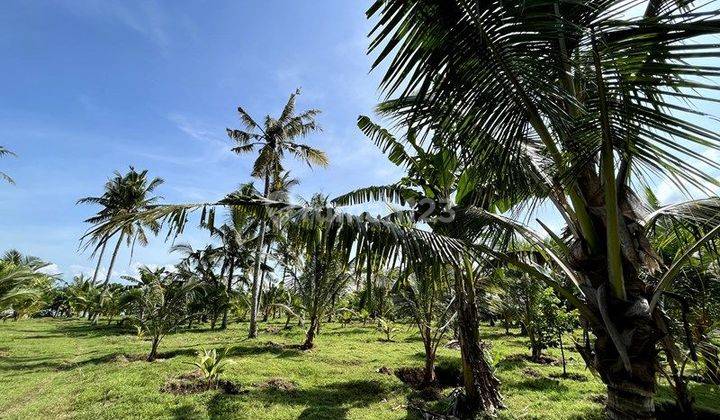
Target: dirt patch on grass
446 376
531 373
515 359
279 346
278 384
275 346
128 358
194 383
385 370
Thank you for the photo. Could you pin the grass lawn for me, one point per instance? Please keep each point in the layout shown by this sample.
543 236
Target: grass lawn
66 369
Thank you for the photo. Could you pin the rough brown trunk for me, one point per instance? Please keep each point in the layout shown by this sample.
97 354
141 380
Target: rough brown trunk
310 335
630 393
153 349
480 384
429 371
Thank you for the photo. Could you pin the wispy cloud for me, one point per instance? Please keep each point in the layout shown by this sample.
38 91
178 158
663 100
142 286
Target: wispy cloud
215 147
143 17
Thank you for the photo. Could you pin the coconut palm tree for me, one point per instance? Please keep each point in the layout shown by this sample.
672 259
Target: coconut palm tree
279 191
273 139
437 185
236 238
590 97
3 175
429 303
124 195
22 283
325 272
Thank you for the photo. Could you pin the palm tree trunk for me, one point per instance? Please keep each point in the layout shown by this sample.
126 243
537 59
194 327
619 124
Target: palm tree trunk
429 372
480 384
229 291
97 266
252 333
112 261
630 393
310 335
266 309
153 349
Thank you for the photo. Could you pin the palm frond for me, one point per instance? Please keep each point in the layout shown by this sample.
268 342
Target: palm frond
247 120
385 141
393 193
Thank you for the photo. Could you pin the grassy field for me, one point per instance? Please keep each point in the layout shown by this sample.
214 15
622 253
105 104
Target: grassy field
67 369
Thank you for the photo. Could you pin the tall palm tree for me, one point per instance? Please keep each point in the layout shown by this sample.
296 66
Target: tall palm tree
124 196
273 139
3 175
590 97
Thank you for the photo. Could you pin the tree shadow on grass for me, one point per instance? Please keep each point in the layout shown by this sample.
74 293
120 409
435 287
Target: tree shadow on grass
186 411
8 363
347 330
332 401
512 362
76 330
42 336
279 350
29 364
497 335
540 384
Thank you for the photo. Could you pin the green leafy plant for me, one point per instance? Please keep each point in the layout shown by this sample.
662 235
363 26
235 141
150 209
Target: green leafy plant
212 363
386 327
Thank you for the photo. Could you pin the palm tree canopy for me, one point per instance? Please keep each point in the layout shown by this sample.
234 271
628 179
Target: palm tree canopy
125 194
3 175
275 137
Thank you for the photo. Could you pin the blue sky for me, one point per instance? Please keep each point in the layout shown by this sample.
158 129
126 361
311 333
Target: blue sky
90 87
93 86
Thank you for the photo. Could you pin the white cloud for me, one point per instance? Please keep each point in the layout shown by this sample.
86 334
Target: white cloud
51 270
79 269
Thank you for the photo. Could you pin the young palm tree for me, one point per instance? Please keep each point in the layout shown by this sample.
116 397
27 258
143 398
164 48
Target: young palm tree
22 283
590 98
3 175
325 272
273 140
435 186
124 196
430 305
236 237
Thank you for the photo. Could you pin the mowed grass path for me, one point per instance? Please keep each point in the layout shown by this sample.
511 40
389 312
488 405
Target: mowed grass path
54 369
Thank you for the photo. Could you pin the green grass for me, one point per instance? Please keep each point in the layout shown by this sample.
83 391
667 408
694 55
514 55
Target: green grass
66 369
